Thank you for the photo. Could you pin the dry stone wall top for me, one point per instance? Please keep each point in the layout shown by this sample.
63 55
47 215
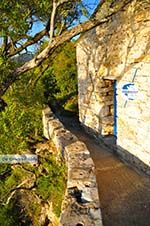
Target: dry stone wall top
81 205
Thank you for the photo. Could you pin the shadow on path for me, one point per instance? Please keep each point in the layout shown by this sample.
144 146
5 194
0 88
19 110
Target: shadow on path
124 193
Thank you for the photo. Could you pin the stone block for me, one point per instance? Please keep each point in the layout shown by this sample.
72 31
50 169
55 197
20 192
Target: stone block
77 147
53 125
95 213
104 111
47 115
105 90
62 138
80 161
81 174
108 120
108 103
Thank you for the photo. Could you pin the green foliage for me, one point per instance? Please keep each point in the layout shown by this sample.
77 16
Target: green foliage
21 120
65 71
20 124
6 66
51 185
72 105
60 81
10 215
16 16
50 85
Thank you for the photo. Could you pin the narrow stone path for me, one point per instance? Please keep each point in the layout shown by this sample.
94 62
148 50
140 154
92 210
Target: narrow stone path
124 193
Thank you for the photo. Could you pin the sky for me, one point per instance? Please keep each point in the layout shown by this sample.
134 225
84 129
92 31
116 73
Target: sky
38 26
91 6
91 3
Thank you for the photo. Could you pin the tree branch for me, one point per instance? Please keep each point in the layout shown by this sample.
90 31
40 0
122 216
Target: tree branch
35 39
62 2
36 61
52 21
53 15
57 41
42 33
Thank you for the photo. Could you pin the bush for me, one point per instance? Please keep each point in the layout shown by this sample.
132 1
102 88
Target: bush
72 104
51 186
22 119
60 80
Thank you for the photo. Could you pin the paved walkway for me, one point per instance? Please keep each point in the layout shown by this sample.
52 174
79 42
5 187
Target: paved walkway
124 193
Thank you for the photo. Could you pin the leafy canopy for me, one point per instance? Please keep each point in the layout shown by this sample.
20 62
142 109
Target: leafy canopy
17 18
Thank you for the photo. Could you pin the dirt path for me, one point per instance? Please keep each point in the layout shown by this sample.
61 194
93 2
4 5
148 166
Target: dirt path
124 193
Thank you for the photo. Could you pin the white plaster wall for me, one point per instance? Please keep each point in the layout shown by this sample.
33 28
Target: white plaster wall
134 115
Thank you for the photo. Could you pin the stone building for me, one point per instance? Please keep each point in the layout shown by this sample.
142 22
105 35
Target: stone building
114 80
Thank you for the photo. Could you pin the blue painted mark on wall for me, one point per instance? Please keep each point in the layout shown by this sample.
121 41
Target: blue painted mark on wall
129 91
131 94
115 108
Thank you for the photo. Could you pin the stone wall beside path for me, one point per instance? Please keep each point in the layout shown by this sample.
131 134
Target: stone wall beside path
81 206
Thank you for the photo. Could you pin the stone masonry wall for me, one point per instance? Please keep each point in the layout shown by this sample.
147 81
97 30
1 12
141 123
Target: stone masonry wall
81 203
118 50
